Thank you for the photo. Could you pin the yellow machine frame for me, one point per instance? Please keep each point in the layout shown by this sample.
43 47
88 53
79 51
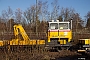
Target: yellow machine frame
84 45
63 36
18 29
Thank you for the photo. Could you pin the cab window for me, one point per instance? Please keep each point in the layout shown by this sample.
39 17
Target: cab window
63 26
53 26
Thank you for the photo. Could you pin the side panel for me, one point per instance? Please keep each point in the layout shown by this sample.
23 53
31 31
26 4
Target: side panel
66 34
53 34
60 35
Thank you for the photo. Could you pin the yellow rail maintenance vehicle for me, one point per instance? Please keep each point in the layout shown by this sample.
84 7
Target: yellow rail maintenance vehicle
18 42
84 45
59 34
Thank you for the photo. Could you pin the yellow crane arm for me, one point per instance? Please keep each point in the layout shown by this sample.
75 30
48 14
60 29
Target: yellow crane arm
18 28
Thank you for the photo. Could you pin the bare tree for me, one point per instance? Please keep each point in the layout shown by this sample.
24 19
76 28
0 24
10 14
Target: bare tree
55 11
77 22
10 24
9 13
88 20
44 13
18 15
33 14
29 14
6 15
88 15
67 13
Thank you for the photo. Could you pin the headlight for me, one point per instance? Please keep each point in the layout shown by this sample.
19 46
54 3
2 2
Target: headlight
65 33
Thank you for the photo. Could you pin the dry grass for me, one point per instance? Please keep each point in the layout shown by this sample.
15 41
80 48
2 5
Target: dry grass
34 55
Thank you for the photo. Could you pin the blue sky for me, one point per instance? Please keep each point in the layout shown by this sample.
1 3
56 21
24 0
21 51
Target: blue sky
80 6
